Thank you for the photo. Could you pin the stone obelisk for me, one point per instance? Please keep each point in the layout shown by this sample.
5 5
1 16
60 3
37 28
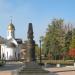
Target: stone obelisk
30 44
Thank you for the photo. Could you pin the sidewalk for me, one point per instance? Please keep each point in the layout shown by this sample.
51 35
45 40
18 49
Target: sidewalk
5 73
61 69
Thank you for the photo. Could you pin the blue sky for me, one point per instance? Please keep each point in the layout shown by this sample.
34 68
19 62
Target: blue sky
39 12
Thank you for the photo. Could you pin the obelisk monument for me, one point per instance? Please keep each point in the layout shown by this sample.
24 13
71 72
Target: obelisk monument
30 44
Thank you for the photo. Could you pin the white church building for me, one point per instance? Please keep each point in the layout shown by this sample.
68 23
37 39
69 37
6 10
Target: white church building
10 48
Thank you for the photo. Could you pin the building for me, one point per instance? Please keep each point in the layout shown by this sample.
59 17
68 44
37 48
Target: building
10 46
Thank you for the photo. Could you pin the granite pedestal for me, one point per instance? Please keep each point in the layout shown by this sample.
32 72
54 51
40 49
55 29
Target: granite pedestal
33 68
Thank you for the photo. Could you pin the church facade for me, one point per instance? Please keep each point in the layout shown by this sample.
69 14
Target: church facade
11 46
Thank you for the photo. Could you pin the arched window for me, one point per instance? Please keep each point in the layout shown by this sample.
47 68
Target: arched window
3 56
7 55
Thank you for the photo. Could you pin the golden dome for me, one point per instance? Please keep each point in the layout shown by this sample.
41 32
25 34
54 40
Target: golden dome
11 27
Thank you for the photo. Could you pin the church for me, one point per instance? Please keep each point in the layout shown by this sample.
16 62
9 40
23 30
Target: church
10 46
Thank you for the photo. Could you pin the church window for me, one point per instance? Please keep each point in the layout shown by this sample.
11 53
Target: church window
15 54
3 56
7 54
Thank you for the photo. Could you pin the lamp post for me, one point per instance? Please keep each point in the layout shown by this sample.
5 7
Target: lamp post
40 51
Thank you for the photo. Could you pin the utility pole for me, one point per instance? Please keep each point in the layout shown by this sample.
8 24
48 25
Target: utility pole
40 52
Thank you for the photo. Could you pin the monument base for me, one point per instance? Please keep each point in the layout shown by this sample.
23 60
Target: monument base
33 68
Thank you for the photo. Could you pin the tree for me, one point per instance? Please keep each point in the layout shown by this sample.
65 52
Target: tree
72 53
68 39
66 48
37 51
54 38
72 45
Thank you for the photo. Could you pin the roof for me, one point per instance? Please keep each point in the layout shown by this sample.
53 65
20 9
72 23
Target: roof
12 45
11 26
19 41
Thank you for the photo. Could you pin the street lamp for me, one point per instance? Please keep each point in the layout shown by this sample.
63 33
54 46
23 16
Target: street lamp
40 51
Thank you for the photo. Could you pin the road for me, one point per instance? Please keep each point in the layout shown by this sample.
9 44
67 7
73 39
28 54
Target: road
8 66
53 71
66 73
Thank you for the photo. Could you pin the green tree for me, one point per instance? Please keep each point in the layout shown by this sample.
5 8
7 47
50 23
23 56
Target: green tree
72 45
37 51
54 38
68 39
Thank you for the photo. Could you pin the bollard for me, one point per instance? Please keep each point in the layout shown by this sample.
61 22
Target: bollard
57 65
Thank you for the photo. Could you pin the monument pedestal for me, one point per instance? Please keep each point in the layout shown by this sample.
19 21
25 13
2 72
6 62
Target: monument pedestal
33 69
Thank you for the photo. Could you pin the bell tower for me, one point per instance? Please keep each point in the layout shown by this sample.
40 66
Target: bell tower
11 31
